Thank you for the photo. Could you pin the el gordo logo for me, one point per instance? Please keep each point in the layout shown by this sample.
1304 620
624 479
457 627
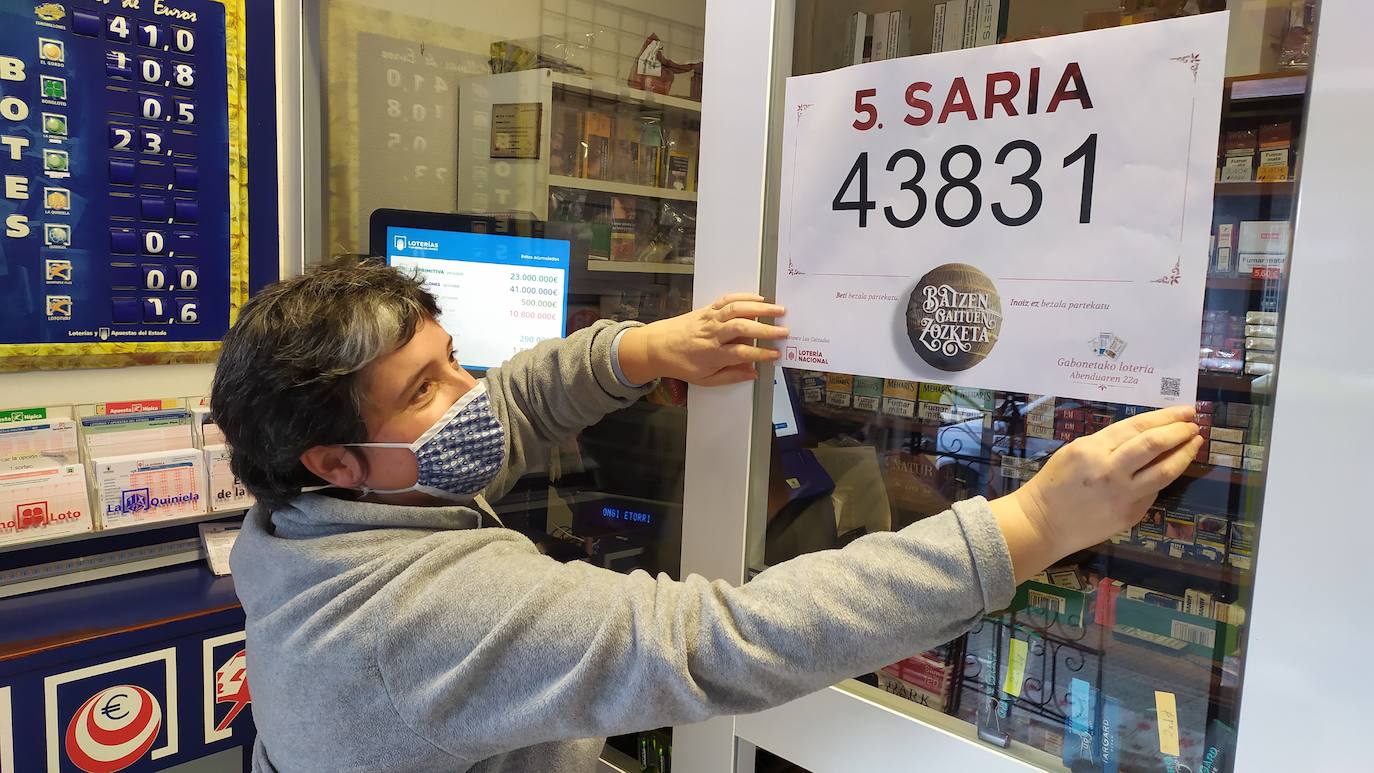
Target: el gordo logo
113 729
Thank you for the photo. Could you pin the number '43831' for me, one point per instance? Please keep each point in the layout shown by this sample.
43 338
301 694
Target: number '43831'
1023 159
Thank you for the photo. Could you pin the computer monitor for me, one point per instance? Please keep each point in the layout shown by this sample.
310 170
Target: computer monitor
501 285
787 426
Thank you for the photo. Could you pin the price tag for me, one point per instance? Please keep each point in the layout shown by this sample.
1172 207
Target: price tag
1007 206
1166 712
1016 667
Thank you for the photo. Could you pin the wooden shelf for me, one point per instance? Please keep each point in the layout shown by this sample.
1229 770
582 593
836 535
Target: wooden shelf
640 267
1231 190
130 529
1269 85
1220 573
605 87
620 189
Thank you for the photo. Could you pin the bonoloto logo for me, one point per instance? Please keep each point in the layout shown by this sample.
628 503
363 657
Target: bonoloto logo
113 729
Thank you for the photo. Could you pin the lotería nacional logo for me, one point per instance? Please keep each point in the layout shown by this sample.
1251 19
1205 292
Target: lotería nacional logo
113 729
954 317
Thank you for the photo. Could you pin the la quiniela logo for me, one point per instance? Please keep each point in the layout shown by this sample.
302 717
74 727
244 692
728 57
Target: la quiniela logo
135 500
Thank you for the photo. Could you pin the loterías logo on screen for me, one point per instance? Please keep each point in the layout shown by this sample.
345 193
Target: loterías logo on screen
954 317
113 729
400 244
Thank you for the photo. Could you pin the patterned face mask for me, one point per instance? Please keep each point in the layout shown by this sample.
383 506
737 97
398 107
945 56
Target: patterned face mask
460 454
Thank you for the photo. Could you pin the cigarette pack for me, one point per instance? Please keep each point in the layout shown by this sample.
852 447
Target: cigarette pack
1261 318
1073 607
1268 237
896 406
901 389
1226 435
868 393
1261 264
1250 464
1258 368
1241 142
1242 549
1108 590
1229 449
1211 537
1239 415
1253 451
1224 460
1203 453
138 488
38 443
839 382
839 399
226 491
1149 533
936 393
42 502
1153 597
922 679
1275 135
1180 532
1238 169
1266 358
1203 406
839 390
1226 235
1261 331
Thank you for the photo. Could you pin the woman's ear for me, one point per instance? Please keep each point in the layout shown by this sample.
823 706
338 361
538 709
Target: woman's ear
337 465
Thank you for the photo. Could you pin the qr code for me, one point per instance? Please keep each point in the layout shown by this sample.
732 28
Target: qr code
1170 387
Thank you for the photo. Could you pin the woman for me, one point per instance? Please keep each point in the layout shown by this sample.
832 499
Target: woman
390 629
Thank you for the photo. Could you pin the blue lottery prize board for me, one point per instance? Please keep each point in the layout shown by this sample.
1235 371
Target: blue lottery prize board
124 232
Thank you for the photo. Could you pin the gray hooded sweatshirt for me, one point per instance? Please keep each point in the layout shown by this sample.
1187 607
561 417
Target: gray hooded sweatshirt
386 638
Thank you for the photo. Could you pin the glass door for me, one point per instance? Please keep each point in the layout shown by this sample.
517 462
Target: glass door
1138 645
578 121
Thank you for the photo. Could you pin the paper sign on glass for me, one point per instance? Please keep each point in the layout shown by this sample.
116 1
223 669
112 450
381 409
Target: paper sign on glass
1031 217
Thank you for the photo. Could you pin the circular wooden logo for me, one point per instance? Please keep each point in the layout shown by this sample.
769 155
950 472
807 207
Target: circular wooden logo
954 317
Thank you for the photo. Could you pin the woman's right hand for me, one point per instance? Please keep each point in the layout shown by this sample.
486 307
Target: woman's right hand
1095 487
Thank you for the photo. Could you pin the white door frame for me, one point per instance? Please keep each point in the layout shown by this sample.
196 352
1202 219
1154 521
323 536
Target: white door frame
1325 379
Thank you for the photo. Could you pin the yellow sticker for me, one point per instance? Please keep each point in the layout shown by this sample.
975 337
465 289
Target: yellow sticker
1166 709
1016 668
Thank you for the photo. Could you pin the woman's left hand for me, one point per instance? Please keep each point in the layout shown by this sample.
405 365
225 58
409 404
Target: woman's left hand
708 347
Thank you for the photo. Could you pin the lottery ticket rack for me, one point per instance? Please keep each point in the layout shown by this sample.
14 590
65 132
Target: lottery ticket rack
105 489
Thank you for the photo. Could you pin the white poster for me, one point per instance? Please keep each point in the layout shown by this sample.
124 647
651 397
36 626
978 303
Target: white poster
1032 217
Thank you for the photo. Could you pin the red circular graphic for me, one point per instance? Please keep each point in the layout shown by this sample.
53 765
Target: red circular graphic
113 729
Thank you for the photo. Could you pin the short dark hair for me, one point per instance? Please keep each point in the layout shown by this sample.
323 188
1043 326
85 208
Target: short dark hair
288 375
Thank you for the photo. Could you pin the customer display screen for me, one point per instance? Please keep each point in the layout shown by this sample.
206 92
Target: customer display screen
784 415
498 294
